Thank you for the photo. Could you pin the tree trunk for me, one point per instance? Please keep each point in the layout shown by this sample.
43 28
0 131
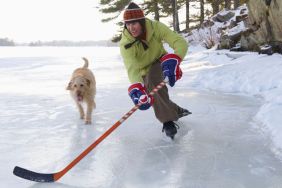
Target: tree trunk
227 4
215 6
187 15
202 8
236 3
175 16
156 10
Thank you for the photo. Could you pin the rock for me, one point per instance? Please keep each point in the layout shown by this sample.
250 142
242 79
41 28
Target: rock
224 16
266 49
268 2
276 47
232 24
237 48
235 37
248 41
251 28
208 23
225 42
241 17
265 18
243 11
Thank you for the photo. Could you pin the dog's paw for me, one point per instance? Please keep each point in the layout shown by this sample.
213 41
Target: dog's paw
87 122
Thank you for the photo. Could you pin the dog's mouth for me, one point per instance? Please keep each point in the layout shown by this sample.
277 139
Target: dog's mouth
79 97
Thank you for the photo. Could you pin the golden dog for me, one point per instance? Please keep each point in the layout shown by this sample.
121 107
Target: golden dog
82 88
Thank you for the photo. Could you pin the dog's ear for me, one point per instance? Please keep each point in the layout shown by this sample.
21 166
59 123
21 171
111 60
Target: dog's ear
69 85
88 82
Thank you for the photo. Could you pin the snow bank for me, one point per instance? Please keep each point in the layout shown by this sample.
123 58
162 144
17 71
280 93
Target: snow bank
244 73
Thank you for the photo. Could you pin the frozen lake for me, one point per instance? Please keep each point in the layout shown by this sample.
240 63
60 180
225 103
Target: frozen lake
217 146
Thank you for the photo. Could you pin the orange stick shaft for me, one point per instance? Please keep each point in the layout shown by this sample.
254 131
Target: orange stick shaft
58 175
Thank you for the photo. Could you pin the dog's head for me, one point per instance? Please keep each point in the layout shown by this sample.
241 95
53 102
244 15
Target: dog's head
78 87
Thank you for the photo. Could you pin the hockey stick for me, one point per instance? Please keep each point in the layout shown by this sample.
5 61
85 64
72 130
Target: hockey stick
52 177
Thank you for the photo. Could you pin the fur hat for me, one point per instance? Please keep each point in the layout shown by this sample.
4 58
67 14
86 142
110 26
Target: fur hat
133 12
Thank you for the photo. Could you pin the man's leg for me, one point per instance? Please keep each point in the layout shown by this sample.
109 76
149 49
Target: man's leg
165 110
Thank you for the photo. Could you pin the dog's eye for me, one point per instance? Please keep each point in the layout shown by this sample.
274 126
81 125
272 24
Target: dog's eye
75 85
81 85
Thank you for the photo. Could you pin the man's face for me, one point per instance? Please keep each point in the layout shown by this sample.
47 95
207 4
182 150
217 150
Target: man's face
134 28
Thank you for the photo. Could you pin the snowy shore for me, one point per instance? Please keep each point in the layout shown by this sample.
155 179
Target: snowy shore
246 73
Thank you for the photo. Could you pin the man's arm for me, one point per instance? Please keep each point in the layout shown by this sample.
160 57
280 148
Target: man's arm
175 41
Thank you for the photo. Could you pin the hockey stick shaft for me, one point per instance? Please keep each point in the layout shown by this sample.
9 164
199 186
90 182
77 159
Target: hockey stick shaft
39 177
101 138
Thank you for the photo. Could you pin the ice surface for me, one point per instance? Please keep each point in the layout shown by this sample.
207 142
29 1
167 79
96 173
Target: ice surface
219 145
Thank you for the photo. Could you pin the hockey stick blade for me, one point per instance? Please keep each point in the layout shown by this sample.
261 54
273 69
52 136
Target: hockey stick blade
33 176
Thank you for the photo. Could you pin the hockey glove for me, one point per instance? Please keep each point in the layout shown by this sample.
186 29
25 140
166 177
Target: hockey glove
171 69
138 94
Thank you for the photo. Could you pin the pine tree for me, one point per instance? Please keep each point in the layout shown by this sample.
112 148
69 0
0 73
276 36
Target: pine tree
112 7
152 6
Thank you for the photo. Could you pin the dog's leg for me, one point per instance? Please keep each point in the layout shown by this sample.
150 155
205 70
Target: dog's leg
80 109
90 106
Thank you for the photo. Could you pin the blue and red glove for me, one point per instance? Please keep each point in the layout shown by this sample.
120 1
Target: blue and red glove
171 69
138 94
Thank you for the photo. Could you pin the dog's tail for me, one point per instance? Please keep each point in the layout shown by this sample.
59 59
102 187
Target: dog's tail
85 63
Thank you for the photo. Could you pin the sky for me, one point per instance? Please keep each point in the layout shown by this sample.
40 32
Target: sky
30 20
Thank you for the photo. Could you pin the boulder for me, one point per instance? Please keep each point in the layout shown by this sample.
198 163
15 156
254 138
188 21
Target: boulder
241 17
224 16
265 17
248 28
225 42
248 41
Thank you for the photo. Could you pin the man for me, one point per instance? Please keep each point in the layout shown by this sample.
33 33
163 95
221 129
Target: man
148 63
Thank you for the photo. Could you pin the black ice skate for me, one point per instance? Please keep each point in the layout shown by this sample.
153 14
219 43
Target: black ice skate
183 112
170 129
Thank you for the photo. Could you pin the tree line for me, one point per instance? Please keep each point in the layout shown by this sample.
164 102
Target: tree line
6 42
169 8
9 42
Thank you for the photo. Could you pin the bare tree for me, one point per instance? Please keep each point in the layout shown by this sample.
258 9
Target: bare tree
202 10
187 3
175 16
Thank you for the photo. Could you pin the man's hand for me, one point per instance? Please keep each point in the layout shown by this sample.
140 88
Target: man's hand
171 69
138 94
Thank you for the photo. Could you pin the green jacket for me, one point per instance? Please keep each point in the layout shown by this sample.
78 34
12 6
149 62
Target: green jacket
137 60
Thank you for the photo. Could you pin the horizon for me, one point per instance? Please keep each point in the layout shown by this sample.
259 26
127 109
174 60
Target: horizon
62 40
